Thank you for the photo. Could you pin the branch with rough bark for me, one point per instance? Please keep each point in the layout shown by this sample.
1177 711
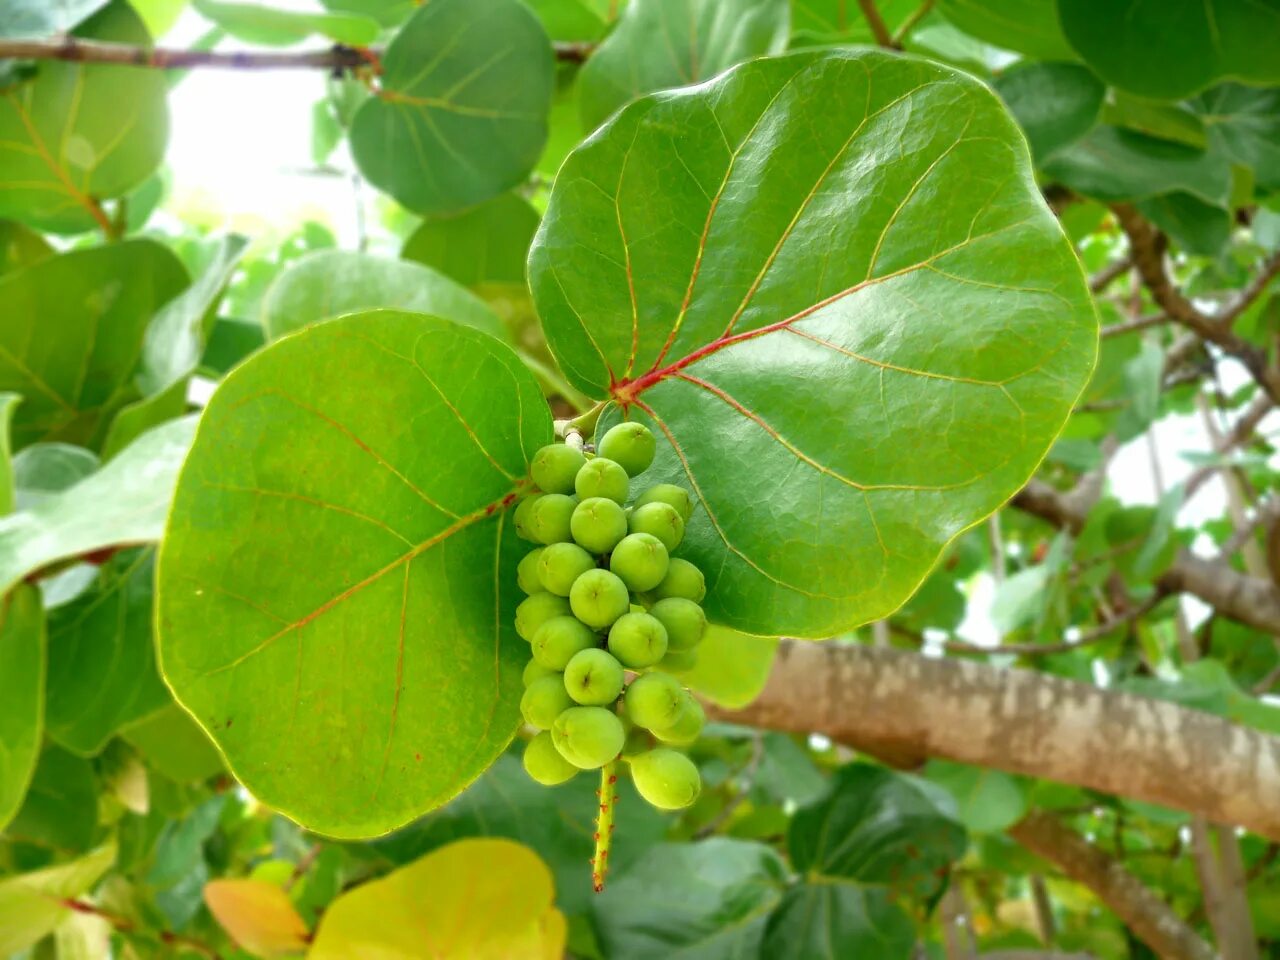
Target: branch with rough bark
906 708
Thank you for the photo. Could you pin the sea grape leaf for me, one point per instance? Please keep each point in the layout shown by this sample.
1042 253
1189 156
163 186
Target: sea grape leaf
671 43
329 283
858 338
123 503
988 801
1168 51
22 672
477 899
486 244
8 404
43 469
43 18
255 23
462 111
1197 227
20 246
1243 123
60 809
102 673
827 919
76 133
72 331
732 667
1054 103
816 22
172 743
335 582
1024 26
33 904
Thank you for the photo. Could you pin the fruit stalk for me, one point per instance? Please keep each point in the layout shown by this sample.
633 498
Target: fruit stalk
604 824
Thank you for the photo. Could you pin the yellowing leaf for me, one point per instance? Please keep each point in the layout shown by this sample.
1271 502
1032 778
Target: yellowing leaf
257 915
477 899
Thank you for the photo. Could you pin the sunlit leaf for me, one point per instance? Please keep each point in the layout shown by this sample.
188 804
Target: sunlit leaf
22 672
257 915
31 904
269 26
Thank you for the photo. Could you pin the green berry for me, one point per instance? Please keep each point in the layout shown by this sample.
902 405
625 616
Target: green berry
560 565
679 660
533 670
630 445
665 778
588 737
602 477
524 517
688 725
598 598
534 611
593 677
527 573
640 559
678 497
638 640
554 467
549 518
543 701
660 520
683 579
542 761
598 524
685 622
654 701
558 639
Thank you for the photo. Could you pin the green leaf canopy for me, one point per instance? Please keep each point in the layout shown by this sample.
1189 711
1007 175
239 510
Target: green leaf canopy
336 582
868 329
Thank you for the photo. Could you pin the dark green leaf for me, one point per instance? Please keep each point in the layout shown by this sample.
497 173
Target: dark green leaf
487 244
813 315
172 743
33 904
61 806
178 849
1054 103
22 673
229 343
20 247
1025 26
1244 123
835 920
1197 227
462 113
344 630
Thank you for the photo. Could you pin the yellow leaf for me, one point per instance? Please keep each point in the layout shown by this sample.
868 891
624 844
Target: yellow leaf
476 899
257 915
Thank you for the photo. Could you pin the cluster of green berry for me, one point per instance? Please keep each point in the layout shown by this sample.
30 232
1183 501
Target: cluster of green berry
608 608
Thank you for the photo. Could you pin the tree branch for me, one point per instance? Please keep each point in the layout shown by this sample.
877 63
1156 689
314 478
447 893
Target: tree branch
906 708
1148 916
1253 601
876 23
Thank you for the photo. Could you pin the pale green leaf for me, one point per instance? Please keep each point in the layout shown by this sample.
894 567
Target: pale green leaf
271 26
22 672
8 404
173 743
486 244
31 903
1024 26
1165 121
43 18
988 801
732 667
45 468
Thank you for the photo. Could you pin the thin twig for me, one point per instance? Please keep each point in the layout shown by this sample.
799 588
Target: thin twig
1108 274
748 776
909 24
876 22
1128 326
1100 632
125 925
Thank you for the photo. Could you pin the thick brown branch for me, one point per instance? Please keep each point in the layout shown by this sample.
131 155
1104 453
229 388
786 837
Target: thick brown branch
1145 913
905 708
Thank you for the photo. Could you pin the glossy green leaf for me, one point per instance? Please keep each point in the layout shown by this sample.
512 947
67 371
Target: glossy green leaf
1024 26
102 672
472 900
732 667
43 469
344 630
838 920
142 415
1244 124
78 133
1054 103
462 111
173 743
988 801
123 503
1115 164
486 244
1170 50
22 672
72 331
699 38
838 21
43 18
32 904
20 246
813 316
878 827
329 283
60 809
269 26
695 901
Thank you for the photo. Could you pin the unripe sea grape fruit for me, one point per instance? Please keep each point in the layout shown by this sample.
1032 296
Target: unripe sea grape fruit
543 701
588 737
679 660
533 670
549 518
598 598
523 517
638 640
558 639
527 572
602 477
683 579
560 564
630 445
688 725
542 761
654 700
598 524
665 778
554 467
660 520
593 677
640 560
536 610
678 497
685 622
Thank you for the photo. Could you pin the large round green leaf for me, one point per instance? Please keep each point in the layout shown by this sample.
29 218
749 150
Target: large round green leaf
858 336
1054 103
78 133
336 582
1170 50
462 111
